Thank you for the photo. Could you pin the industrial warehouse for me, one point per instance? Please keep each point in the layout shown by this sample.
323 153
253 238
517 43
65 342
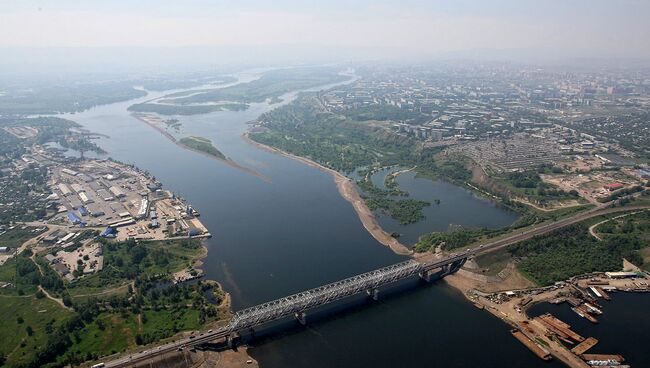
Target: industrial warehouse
123 201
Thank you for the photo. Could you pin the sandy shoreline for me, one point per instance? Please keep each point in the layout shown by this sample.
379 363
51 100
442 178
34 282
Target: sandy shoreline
349 192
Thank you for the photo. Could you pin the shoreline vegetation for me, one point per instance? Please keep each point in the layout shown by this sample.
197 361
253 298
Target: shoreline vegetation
392 200
130 304
306 128
350 193
270 86
223 159
172 109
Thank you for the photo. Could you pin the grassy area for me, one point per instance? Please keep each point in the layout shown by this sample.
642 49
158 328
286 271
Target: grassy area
125 261
201 144
529 185
108 333
139 305
91 286
494 262
27 272
112 332
19 313
8 271
16 237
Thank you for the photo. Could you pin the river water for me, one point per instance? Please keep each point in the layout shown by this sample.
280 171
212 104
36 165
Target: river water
622 329
454 206
293 232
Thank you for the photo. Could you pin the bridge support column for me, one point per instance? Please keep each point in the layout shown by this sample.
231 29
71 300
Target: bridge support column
425 275
445 270
301 317
373 293
230 341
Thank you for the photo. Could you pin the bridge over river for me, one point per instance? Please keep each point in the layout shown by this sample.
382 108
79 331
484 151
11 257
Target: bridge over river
298 304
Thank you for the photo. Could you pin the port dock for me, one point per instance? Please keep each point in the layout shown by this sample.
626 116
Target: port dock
532 345
581 348
559 328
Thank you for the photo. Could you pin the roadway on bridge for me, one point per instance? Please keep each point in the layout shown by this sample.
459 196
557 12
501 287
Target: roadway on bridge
141 357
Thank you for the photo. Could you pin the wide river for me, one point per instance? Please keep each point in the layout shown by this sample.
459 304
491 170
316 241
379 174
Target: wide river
294 232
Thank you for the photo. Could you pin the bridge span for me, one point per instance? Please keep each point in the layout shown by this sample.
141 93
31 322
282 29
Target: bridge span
298 304
369 282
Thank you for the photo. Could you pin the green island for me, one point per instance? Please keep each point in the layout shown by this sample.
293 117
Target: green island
167 109
78 93
132 301
406 211
202 145
53 98
184 81
270 85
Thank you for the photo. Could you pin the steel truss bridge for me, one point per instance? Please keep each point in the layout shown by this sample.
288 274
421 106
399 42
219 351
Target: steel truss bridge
297 304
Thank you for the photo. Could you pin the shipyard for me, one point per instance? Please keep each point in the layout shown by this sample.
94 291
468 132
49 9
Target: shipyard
546 335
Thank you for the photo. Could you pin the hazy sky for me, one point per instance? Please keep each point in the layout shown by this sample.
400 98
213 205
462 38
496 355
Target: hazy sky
595 27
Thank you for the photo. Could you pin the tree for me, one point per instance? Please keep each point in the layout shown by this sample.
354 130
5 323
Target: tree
67 300
29 330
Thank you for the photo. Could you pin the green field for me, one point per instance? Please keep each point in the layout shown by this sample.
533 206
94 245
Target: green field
130 302
16 237
201 144
17 346
494 262
127 260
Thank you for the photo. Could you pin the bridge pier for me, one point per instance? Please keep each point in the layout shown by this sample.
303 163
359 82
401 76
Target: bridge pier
230 341
301 317
450 268
373 293
425 275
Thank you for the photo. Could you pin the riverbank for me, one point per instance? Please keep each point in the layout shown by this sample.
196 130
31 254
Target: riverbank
349 192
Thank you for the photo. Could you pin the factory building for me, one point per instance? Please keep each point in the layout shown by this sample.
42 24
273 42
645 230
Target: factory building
117 192
64 189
